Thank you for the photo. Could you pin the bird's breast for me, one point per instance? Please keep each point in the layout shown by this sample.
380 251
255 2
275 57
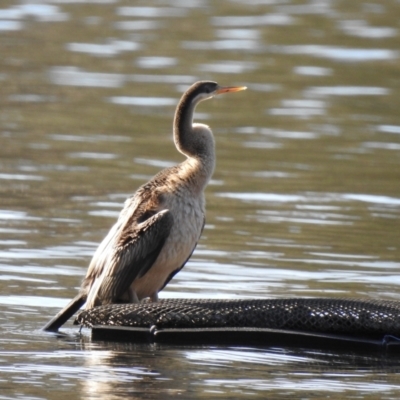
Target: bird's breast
188 219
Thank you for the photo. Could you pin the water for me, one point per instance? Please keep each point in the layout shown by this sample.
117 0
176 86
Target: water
305 200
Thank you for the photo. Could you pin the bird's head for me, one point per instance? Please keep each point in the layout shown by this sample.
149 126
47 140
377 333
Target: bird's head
204 90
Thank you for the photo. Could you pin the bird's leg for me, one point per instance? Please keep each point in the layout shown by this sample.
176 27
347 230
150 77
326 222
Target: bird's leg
154 297
133 296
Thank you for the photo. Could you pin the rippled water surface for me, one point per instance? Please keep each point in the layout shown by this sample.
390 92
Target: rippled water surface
305 199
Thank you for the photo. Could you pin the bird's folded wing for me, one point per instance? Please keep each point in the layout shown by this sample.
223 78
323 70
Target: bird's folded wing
134 257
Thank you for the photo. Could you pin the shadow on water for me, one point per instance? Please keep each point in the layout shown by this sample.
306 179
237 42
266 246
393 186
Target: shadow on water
305 199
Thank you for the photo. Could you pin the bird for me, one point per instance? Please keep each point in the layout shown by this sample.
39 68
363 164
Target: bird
159 225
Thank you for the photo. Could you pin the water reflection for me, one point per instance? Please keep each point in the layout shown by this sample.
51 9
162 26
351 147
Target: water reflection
389 129
361 29
312 70
95 156
238 34
156 62
110 49
30 98
137 25
243 20
314 7
73 76
159 78
340 53
10 25
93 138
244 45
21 177
154 369
346 91
373 199
228 67
142 101
379 145
304 201
40 12
151 12
15 215
299 108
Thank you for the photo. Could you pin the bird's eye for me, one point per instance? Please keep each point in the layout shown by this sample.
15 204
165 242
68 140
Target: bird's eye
211 89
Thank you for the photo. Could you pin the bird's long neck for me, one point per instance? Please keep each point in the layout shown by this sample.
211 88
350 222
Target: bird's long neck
195 141
183 125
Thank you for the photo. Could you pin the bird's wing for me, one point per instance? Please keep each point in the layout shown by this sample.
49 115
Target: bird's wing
102 258
133 255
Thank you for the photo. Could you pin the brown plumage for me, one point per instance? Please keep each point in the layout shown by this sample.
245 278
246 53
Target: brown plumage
159 226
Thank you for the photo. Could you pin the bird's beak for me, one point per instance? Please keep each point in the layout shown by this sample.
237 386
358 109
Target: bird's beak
229 89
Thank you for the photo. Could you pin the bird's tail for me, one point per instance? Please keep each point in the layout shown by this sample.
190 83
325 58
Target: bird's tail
66 313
